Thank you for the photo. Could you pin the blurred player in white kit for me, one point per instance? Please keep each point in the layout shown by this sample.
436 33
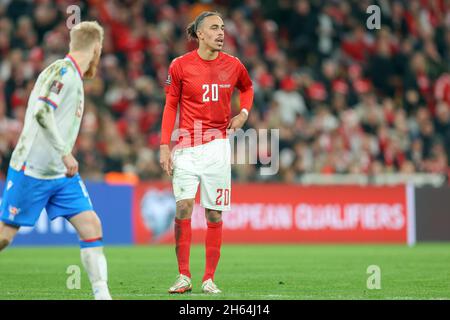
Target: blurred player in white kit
43 172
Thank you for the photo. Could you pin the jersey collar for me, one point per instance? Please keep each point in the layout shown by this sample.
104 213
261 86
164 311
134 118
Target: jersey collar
75 64
208 61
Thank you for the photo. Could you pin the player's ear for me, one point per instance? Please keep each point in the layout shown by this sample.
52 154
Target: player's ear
97 49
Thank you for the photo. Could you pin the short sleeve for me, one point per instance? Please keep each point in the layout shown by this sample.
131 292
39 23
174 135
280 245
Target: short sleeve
56 82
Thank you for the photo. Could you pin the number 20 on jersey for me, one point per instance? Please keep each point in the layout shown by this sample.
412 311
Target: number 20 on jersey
210 92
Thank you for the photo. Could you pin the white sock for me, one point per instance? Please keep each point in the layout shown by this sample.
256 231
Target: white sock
94 262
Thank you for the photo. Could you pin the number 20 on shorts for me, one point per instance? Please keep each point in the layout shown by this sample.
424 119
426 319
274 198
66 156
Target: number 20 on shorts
223 195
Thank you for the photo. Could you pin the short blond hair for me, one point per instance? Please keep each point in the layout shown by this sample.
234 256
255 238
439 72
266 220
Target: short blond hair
85 34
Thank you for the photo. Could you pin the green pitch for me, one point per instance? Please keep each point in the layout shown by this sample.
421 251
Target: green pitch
245 272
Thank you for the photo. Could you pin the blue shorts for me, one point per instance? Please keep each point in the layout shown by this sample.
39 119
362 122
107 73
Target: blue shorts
25 197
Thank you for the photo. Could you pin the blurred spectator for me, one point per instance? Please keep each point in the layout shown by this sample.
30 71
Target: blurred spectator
290 101
346 99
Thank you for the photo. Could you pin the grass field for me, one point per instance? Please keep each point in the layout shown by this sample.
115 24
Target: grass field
245 272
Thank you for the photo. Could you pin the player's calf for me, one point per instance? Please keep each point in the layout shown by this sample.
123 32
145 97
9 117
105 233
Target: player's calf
183 233
3 243
7 234
94 261
213 244
89 229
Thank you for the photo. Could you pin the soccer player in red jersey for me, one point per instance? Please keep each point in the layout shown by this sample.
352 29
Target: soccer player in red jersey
201 82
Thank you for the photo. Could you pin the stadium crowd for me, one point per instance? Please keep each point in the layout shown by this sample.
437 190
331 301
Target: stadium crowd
345 98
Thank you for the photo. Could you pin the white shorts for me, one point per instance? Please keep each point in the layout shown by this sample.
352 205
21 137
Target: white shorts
209 165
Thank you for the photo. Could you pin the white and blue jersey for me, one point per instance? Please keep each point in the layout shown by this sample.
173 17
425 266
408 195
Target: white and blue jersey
52 121
36 176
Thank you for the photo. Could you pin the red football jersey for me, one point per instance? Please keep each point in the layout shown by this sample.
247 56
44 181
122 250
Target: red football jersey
203 89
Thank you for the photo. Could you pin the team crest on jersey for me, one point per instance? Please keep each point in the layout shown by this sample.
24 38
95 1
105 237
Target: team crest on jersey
169 80
13 211
223 76
56 87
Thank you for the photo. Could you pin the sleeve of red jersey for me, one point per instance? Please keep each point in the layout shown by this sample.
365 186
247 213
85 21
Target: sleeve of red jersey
173 92
245 86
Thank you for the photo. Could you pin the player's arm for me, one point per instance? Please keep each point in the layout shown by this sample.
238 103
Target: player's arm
173 93
245 86
49 100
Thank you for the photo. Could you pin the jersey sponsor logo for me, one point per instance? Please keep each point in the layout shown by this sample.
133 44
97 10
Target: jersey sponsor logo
224 86
56 87
9 185
169 80
63 71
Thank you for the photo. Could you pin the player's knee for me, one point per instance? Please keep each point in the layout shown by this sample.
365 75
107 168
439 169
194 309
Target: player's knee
7 234
93 223
213 215
184 209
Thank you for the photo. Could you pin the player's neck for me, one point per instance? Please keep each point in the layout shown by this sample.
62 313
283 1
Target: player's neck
207 54
82 59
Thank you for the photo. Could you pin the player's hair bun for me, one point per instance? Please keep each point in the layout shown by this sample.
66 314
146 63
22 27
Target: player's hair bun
192 28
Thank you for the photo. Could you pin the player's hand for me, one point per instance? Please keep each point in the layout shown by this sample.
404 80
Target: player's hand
237 121
165 159
71 165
